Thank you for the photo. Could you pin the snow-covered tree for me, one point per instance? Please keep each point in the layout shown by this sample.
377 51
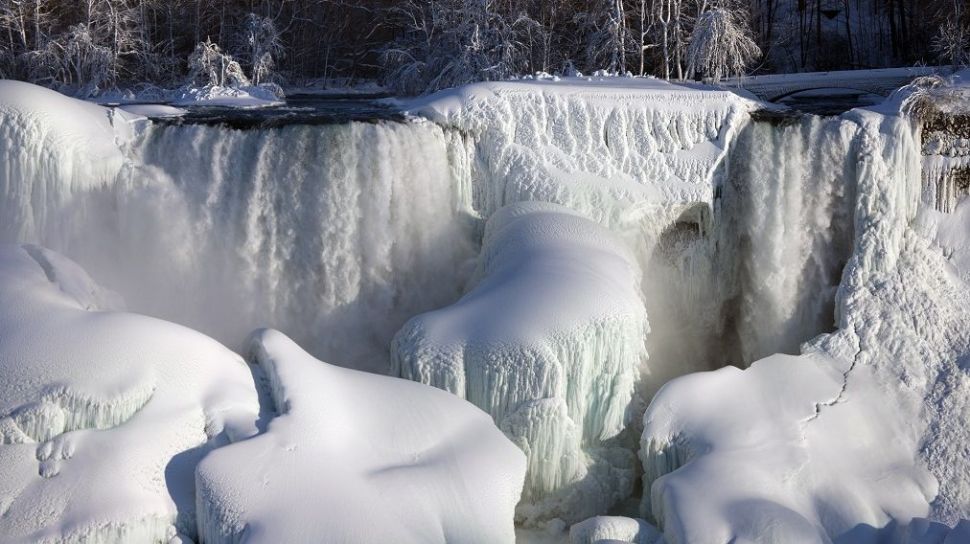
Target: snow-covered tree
452 42
720 45
210 66
258 45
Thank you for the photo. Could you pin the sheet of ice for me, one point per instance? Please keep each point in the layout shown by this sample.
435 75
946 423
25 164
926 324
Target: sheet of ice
355 457
868 428
550 343
103 414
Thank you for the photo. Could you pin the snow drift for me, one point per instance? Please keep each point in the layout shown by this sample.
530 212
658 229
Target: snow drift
353 457
550 343
103 414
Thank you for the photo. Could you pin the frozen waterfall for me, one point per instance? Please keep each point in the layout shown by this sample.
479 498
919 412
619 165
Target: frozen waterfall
335 234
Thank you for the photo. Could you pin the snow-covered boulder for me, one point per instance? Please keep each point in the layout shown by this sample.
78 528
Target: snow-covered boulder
357 457
550 343
103 414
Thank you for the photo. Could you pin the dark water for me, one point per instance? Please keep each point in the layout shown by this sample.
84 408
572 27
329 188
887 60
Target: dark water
830 104
298 110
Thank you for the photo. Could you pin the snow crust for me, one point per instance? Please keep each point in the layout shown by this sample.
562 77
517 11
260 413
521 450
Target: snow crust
355 457
103 414
549 343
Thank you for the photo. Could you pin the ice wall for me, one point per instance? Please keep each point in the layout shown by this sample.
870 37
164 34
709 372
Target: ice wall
549 343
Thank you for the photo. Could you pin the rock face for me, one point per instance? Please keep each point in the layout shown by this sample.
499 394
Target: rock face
103 414
356 457
549 343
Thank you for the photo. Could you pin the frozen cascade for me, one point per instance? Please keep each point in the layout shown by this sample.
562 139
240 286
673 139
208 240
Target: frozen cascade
549 343
868 426
785 231
335 234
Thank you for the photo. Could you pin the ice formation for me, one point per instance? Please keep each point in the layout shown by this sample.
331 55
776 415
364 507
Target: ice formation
103 414
868 427
550 343
355 457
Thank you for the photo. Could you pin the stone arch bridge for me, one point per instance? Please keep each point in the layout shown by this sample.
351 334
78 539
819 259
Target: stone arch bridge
881 81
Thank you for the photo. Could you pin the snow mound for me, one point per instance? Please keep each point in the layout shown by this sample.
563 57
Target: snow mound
549 343
238 97
103 414
602 529
356 457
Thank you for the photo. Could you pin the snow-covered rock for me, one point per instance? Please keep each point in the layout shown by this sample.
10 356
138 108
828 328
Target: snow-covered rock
550 342
602 529
103 414
355 457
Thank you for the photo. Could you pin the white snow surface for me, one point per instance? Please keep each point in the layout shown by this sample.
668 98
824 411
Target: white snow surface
103 414
550 343
355 457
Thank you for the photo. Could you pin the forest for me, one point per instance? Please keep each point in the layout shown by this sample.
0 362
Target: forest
85 47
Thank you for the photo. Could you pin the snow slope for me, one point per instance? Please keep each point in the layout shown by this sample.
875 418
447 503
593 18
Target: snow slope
103 414
550 343
353 457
